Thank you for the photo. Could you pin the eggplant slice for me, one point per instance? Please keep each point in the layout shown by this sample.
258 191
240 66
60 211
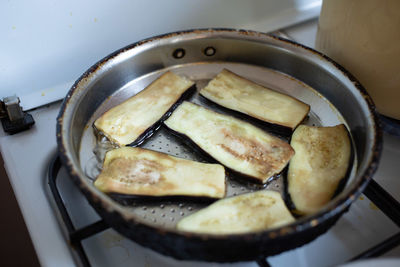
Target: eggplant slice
138 171
245 213
130 121
236 144
237 93
321 161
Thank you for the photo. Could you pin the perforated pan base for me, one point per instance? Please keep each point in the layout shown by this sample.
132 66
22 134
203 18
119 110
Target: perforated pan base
166 214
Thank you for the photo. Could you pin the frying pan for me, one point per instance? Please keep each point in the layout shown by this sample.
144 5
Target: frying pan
334 95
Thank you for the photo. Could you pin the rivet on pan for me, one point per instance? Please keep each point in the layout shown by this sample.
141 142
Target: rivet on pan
190 208
172 210
179 53
182 213
162 206
209 51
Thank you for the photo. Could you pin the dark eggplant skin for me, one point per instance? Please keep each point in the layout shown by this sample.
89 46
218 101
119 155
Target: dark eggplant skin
156 126
147 133
251 212
332 155
238 93
280 130
143 172
131 200
231 173
257 152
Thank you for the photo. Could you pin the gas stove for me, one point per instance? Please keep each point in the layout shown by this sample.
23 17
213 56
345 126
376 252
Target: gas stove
66 231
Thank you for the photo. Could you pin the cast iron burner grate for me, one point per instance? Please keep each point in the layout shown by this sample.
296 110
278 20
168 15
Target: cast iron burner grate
380 197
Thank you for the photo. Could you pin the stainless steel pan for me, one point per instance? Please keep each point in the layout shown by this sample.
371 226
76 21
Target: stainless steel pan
335 97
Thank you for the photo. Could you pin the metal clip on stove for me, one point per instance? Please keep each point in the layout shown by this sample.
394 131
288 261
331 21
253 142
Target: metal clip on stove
13 118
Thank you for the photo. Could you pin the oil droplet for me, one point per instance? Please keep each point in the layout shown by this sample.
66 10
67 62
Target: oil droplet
13 27
361 198
95 20
43 94
70 13
70 25
373 206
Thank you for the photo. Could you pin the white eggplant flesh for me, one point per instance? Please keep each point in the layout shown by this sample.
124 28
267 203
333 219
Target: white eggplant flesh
126 122
321 161
234 143
237 93
245 213
138 171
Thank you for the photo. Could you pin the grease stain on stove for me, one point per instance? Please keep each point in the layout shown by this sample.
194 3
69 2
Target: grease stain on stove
372 206
114 241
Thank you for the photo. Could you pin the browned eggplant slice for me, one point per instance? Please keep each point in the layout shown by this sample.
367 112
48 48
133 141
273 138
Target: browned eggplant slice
321 161
245 213
138 171
131 120
236 144
237 93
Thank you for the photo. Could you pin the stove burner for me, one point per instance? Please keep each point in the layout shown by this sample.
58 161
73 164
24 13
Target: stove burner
380 197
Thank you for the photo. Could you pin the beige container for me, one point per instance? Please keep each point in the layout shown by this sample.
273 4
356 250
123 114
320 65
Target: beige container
364 37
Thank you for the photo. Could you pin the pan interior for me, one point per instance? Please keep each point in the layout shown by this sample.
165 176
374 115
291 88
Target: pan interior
163 213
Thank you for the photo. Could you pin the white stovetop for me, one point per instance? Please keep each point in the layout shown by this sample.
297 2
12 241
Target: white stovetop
26 156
